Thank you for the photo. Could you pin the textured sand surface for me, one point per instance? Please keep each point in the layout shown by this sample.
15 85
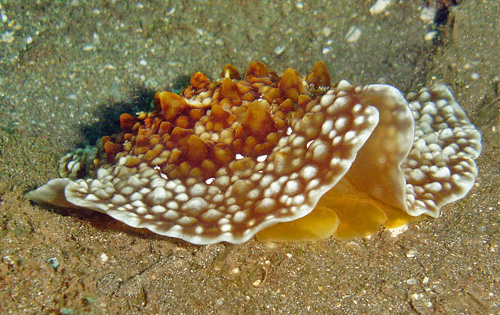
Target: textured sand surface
69 70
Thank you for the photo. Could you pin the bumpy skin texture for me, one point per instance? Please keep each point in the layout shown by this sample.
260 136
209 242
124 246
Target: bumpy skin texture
440 167
225 160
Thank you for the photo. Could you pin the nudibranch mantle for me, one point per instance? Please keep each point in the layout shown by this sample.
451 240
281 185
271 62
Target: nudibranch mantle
283 158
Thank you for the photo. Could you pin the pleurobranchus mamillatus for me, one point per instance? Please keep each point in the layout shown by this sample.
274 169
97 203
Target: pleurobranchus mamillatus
282 158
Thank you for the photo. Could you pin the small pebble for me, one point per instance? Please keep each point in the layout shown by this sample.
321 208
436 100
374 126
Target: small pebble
326 31
411 253
53 262
279 50
395 232
411 281
353 34
428 14
431 35
379 6
8 37
104 258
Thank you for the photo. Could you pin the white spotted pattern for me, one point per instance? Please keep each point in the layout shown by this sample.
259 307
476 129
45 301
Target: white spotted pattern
314 152
189 211
445 139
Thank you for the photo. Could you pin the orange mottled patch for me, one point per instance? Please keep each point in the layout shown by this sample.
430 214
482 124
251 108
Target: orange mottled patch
210 123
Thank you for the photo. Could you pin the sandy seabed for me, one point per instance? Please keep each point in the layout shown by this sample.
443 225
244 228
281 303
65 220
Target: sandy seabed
69 70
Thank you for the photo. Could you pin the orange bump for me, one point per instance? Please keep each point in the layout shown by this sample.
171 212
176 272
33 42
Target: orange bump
218 114
182 122
154 140
150 155
133 161
165 128
199 81
319 75
287 106
142 141
195 114
223 156
230 72
197 150
175 157
249 97
257 69
258 119
273 94
111 149
127 121
291 84
179 133
105 139
208 166
229 90
171 104
303 100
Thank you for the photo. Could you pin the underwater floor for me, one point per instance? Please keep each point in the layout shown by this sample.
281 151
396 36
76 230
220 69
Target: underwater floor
70 69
